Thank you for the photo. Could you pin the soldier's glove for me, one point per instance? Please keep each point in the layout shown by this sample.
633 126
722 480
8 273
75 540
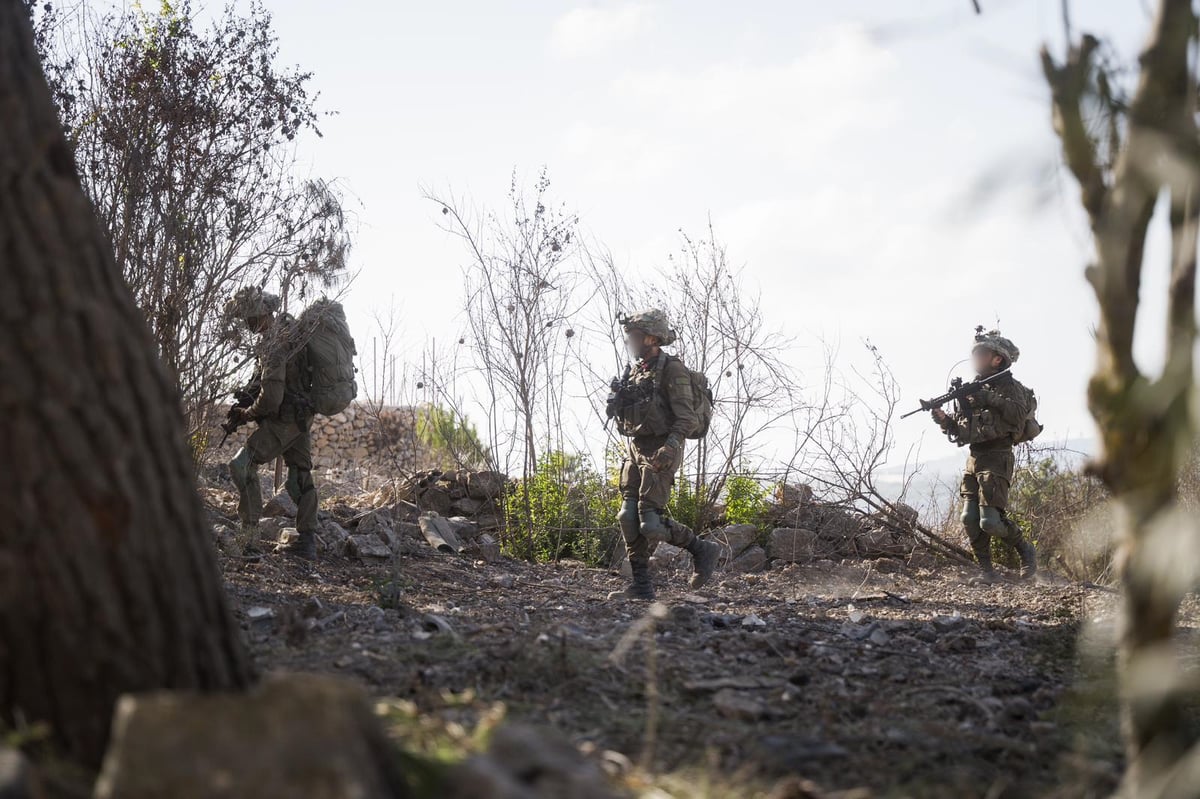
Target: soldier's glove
666 455
240 415
613 406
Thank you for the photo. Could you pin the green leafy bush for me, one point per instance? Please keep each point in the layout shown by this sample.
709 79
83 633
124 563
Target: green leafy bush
565 510
745 500
450 437
1065 514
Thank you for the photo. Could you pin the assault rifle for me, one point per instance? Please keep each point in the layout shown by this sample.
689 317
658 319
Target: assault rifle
958 391
242 398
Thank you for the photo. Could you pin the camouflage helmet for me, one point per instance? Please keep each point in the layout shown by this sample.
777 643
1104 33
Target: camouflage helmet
652 322
992 340
251 302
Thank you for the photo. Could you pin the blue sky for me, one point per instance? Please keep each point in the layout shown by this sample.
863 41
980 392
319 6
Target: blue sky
883 170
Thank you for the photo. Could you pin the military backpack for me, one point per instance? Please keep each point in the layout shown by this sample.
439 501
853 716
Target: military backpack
702 400
331 351
1031 428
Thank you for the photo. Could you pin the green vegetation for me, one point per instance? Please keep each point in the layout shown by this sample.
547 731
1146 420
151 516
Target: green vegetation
572 508
1056 508
744 500
450 437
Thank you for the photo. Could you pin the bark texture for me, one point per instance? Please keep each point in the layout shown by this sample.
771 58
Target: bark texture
108 581
1145 423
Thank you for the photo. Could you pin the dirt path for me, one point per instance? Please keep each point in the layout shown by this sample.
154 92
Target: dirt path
906 684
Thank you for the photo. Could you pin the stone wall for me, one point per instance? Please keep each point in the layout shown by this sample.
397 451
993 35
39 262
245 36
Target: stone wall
357 438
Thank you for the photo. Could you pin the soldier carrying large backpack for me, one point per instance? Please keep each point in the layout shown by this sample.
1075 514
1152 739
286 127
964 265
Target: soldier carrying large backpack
658 404
305 367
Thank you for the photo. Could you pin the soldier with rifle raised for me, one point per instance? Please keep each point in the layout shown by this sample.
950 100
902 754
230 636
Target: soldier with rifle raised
991 415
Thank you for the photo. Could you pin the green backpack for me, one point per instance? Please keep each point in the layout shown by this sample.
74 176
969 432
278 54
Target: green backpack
331 351
1032 427
702 398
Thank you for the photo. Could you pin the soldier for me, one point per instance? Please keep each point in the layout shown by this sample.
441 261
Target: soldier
283 415
654 407
990 423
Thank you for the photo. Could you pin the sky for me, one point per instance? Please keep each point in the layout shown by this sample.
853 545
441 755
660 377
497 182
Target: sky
882 170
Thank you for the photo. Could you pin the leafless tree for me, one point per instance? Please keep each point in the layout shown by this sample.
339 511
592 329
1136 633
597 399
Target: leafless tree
1126 152
849 436
184 140
520 294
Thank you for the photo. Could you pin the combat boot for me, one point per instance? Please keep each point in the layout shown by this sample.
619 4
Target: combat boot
705 555
653 525
1028 555
642 587
303 547
983 554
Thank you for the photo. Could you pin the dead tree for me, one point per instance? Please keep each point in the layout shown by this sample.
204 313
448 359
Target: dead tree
108 581
1144 422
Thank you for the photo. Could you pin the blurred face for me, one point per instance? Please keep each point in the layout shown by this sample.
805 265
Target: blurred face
985 361
638 343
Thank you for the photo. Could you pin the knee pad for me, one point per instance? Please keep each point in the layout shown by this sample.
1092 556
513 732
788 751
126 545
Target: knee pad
628 519
992 523
970 513
240 467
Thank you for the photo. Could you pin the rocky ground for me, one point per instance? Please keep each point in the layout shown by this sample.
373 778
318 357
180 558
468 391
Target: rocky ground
851 678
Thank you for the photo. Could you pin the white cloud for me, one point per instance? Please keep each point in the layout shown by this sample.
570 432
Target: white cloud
784 113
588 31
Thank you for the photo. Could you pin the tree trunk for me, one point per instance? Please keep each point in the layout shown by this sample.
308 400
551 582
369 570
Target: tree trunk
1145 425
108 580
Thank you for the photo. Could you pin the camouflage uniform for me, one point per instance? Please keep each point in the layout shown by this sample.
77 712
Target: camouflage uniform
665 417
654 409
989 423
284 421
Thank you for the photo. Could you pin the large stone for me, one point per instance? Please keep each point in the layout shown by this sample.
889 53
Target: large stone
486 485
436 500
485 548
670 556
839 527
740 705
735 539
410 531
752 560
296 735
522 763
905 515
17 779
226 538
791 544
281 504
466 506
270 528
367 546
794 495
333 536
377 523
